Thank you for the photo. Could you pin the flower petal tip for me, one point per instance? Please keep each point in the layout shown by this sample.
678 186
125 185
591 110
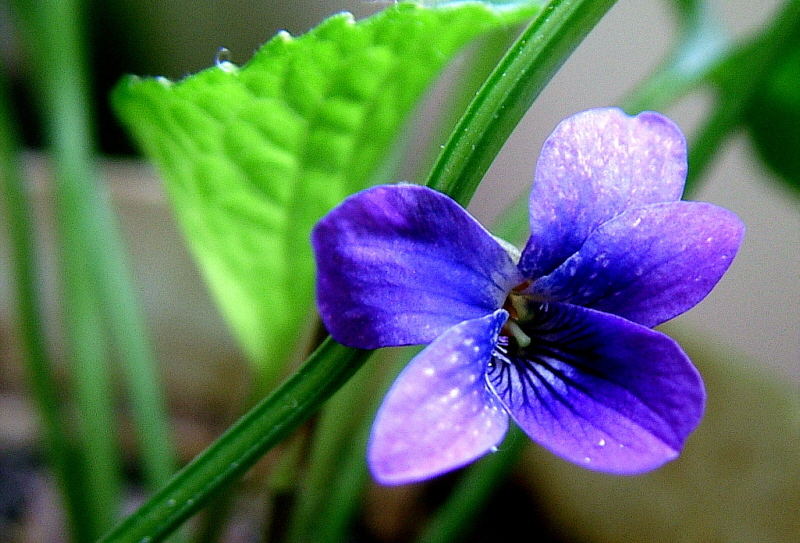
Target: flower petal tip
438 415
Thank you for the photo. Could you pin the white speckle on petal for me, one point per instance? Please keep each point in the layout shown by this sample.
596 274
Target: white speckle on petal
602 443
430 372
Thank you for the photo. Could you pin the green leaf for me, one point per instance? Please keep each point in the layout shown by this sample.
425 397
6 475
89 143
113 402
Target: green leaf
773 118
252 156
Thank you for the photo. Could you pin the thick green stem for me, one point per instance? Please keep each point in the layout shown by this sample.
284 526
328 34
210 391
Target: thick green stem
52 29
510 91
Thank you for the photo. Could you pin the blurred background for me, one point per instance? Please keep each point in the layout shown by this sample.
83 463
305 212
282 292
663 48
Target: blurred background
739 478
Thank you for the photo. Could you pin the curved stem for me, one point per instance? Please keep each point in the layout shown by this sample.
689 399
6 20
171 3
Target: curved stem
510 91
53 29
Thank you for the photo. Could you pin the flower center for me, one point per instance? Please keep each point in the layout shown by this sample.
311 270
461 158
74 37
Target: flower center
512 337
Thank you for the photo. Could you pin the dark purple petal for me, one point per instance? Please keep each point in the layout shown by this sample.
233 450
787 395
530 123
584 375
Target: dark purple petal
400 264
595 165
439 415
600 391
648 264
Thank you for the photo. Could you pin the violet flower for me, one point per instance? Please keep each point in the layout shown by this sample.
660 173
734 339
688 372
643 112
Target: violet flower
559 337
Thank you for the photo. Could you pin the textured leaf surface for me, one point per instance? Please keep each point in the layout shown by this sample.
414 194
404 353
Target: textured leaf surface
252 156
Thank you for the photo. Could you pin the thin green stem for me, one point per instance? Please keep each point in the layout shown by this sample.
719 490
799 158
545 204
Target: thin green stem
530 64
509 92
39 368
61 88
52 28
92 387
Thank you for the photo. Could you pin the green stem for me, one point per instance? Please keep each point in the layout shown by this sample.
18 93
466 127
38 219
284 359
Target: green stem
39 367
328 368
509 92
52 28
62 100
92 386
530 64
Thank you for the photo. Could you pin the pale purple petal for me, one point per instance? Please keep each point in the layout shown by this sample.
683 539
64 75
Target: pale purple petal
595 165
400 264
439 415
601 391
649 264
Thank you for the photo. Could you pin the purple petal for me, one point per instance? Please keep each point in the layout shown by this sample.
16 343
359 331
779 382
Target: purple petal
439 415
600 391
648 264
595 165
400 264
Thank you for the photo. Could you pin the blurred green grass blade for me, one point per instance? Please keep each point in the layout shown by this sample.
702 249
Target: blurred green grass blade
52 30
253 156
87 349
40 372
333 486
